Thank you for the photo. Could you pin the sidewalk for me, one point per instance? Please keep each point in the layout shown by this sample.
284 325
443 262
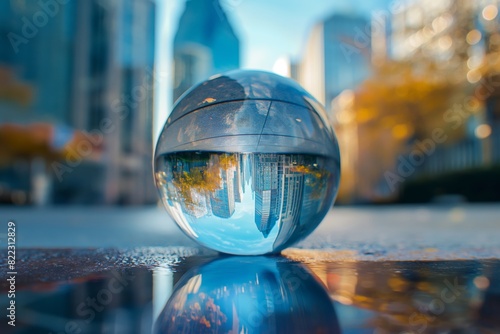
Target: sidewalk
361 233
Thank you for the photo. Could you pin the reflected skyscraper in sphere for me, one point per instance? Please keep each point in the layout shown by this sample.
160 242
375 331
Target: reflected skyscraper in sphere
205 44
222 199
266 180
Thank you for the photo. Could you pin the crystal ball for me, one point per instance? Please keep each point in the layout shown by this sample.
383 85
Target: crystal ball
247 163
248 295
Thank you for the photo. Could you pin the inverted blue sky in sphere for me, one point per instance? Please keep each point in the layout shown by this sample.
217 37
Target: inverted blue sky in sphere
241 226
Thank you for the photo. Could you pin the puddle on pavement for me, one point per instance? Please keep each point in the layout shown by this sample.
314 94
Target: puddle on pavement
207 294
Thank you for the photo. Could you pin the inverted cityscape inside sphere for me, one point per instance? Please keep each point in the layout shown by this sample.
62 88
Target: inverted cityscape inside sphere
247 163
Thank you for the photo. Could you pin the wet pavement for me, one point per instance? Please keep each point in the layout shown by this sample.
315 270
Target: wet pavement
187 290
389 270
361 233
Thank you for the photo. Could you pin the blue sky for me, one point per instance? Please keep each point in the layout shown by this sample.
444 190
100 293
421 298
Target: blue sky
268 30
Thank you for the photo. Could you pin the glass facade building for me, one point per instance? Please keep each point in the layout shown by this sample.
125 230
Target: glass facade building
88 66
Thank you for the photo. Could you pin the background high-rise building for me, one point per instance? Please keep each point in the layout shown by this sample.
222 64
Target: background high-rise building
337 56
27 36
85 65
205 44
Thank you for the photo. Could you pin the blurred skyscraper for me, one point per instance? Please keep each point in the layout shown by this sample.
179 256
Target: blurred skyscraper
337 57
114 63
205 44
36 50
89 65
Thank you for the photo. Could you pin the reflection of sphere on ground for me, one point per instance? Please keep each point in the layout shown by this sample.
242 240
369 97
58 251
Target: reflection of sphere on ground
247 163
248 295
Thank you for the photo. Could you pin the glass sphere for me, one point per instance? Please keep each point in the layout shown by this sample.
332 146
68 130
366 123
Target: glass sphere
247 163
249 295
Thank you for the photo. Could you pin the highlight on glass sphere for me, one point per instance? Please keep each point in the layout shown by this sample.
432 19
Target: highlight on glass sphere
259 295
247 163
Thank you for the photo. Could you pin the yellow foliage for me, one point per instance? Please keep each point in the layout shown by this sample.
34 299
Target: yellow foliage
401 103
202 180
12 90
21 142
414 94
227 161
35 140
401 131
199 180
319 178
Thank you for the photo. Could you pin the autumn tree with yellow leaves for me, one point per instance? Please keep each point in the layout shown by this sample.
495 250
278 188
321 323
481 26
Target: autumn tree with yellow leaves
318 178
202 180
407 99
31 141
402 103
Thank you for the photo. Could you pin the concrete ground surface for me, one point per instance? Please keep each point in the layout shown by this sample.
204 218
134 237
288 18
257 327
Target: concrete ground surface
465 231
